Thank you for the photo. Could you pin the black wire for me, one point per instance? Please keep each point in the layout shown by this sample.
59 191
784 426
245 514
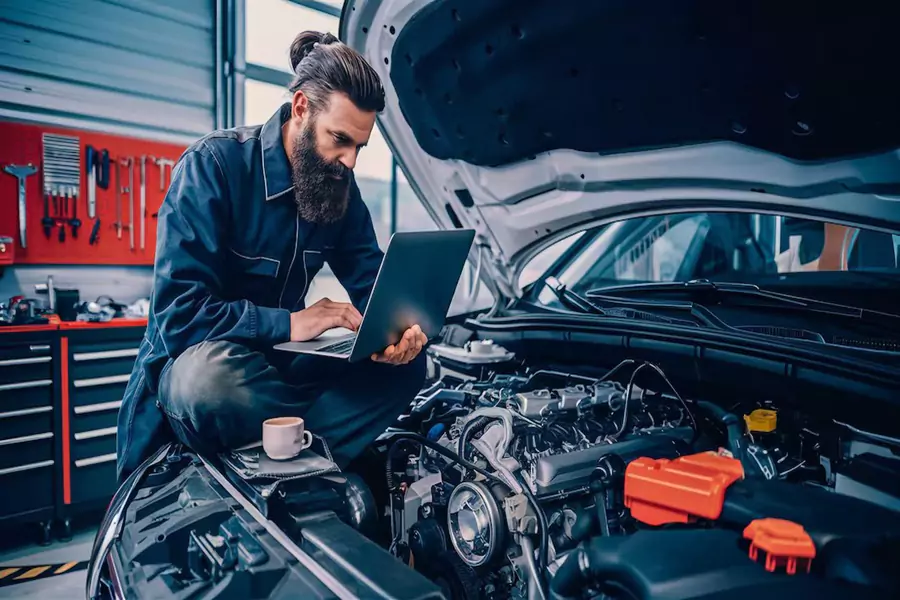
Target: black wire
630 387
545 530
443 452
389 472
611 372
680 399
473 424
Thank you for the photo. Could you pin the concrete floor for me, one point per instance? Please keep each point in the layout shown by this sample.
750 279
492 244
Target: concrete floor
64 587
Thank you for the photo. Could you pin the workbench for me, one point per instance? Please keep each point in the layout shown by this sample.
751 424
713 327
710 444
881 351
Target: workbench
61 386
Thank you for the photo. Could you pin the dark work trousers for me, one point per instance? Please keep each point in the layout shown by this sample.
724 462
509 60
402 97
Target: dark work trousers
217 394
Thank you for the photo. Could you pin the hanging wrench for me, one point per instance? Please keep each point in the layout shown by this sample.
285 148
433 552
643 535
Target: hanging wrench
162 163
21 172
131 201
143 197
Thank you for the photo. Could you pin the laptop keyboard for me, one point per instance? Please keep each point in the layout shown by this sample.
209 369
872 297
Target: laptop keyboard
342 347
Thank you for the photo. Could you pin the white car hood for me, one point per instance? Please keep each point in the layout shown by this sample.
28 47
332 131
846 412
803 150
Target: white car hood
527 121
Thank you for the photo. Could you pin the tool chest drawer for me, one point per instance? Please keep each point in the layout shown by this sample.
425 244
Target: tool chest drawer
100 361
26 449
94 417
94 479
112 358
26 487
26 421
26 372
28 426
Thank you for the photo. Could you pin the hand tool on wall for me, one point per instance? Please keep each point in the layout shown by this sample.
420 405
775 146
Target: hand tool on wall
117 225
62 179
47 221
75 222
21 172
95 233
90 165
162 163
131 201
143 207
97 169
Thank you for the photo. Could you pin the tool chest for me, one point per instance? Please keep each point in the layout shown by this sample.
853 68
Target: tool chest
29 440
61 387
99 365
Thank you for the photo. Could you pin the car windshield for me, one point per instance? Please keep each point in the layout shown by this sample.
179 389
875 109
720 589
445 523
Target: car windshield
720 247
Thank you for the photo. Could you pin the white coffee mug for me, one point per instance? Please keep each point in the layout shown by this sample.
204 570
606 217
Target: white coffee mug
285 437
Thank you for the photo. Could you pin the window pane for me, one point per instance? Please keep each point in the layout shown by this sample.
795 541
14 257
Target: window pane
261 100
411 214
273 24
759 249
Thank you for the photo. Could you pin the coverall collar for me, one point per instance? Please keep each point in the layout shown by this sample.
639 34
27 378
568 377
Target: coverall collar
277 178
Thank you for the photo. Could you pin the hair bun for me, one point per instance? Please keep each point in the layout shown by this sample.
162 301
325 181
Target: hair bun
305 43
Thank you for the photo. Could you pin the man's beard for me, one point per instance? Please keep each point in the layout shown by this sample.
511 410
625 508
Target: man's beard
321 188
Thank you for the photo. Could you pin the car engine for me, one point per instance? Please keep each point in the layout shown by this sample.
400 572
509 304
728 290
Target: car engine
512 480
512 470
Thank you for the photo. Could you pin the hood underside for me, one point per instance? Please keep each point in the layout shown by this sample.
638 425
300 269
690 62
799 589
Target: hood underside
528 120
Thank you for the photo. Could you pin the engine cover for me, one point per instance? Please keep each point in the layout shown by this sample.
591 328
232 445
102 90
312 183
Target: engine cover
571 470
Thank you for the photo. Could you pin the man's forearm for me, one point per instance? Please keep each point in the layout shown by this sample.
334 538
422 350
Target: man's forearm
183 325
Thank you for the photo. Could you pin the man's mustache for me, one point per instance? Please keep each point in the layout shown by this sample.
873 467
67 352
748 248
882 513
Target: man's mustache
337 170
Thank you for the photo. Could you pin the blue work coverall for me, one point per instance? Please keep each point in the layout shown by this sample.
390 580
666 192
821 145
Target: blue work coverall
233 260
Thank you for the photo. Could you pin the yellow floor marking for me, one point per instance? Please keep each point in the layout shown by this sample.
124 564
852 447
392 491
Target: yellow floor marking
33 572
65 567
5 572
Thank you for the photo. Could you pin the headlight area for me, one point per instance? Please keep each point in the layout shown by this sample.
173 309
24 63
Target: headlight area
189 530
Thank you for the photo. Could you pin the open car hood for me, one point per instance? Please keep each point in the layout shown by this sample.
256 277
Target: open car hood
527 121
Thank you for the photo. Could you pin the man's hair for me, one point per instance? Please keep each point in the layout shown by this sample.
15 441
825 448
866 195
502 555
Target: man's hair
322 64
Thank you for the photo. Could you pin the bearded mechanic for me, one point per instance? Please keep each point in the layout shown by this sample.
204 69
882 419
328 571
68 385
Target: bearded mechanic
252 214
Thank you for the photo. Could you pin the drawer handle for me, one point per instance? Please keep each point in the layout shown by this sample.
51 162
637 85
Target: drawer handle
95 460
39 347
25 412
95 433
95 381
29 467
21 385
83 356
26 438
34 360
92 408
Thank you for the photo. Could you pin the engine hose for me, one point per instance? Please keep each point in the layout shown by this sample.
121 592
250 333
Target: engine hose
482 415
535 581
471 427
583 527
448 454
732 426
583 567
545 529
389 463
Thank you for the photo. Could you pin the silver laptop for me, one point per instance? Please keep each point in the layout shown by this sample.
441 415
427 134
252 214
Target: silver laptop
414 286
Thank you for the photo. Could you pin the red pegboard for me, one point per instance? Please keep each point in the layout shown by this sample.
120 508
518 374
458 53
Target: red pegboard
22 144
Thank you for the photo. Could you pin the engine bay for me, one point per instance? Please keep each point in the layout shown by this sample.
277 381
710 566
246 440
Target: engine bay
523 482
513 480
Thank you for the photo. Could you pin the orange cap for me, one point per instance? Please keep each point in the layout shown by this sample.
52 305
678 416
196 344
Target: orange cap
784 542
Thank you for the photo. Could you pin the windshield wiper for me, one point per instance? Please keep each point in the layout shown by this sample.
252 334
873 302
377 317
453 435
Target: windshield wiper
570 299
752 294
628 309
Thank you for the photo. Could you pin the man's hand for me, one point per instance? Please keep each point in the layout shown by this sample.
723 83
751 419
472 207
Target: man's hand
405 350
311 322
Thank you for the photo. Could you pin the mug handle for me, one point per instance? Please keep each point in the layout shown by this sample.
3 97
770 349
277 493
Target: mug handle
307 439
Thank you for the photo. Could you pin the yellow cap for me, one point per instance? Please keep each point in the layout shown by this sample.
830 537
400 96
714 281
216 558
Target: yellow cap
761 420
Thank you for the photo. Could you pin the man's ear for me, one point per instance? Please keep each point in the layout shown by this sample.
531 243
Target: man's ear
299 105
